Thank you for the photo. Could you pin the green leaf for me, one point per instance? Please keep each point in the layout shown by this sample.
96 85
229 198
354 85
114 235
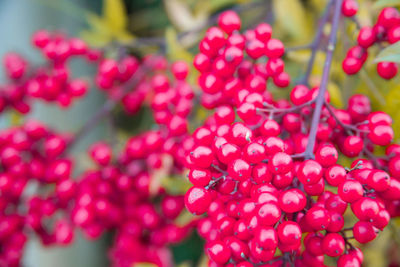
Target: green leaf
390 53
115 14
386 3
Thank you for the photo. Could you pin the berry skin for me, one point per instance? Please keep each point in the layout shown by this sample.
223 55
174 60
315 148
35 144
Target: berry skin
349 8
364 232
282 80
292 200
379 180
365 209
352 146
347 260
269 214
350 191
387 70
326 155
197 200
266 237
318 218
100 153
366 37
274 48
218 252
229 22
351 65
299 95
239 170
202 156
280 163
263 32
333 244
228 152
199 177
309 172
289 233
394 34
381 135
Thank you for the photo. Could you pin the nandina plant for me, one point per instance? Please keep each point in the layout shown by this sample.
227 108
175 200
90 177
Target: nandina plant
274 181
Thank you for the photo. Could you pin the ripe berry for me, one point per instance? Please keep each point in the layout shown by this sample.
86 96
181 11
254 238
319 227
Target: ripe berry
364 232
309 172
366 37
218 252
239 170
197 200
387 70
349 8
229 22
274 48
351 65
280 163
289 233
333 244
350 191
292 200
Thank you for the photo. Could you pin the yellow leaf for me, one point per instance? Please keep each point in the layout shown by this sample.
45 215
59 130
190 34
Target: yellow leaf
392 100
175 185
98 24
184 218
292 16
115 14
300 56
175 51
95 39
335 95
16 118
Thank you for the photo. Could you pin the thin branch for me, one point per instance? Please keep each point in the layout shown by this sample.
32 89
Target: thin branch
316 43
309 154
347 127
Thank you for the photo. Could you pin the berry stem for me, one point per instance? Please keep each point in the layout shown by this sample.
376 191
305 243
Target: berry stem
273 109
316 43
346 127
309 154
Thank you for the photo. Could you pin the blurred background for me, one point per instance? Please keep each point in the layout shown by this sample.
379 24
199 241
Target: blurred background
174 27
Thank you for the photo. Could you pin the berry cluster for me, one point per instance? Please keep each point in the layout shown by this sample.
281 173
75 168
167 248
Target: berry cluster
262 190
267 176
50 82
234 65
259 197
385 30
35 187
124 196
172 102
